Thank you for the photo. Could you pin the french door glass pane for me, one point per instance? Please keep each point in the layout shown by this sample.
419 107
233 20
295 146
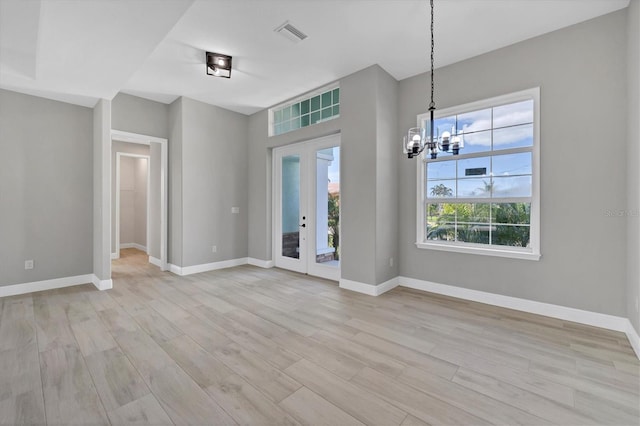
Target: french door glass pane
291 206
328 206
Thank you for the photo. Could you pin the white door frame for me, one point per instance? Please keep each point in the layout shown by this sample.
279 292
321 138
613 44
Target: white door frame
119 155
118 135
307 261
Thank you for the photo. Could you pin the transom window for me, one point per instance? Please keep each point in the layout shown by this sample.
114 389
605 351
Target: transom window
309 109
486 199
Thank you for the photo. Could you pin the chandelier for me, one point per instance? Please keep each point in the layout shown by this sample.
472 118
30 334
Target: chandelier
420 138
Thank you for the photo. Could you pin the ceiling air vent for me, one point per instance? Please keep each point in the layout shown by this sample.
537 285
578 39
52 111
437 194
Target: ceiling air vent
291 32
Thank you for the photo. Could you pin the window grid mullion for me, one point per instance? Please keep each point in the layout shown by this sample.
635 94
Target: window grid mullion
508 151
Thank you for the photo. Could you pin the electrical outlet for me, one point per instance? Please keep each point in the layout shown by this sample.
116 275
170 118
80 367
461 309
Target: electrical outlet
214 249
28 264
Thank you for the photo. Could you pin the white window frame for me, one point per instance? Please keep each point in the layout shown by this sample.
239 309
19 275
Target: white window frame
527 253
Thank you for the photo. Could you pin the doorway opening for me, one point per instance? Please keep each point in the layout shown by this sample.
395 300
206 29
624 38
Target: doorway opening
154 151
307 207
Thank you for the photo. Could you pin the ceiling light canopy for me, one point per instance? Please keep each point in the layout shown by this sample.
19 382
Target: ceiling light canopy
218 65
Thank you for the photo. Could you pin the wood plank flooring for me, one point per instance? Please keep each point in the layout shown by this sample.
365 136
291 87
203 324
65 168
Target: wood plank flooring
251 346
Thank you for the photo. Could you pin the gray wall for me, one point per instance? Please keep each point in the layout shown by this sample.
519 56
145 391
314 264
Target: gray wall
134 148
127 200
46 175
155 176
387 225
581 71
633 165
101 189
140 169
207 176
174 237
133 201
214 179
368 182
138 115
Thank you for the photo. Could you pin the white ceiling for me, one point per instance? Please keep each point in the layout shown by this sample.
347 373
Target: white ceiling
79 51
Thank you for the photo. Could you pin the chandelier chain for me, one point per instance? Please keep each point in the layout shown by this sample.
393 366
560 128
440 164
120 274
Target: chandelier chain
432 105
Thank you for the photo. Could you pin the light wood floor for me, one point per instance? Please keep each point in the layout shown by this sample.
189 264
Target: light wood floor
269 347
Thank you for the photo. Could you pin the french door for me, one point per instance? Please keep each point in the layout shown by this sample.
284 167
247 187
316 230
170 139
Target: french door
306 207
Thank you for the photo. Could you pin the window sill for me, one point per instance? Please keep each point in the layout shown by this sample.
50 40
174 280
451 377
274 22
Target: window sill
456 248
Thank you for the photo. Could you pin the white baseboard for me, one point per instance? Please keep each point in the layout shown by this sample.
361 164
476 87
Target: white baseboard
155 261
634 339
133 245
102 284
114 256
195 269
595 319
371 290
260 263
12 290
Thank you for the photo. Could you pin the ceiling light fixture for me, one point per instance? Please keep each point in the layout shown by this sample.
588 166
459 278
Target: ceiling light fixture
419 138
218 65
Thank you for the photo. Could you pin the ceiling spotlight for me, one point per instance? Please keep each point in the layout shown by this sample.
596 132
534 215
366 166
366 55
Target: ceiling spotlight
218 65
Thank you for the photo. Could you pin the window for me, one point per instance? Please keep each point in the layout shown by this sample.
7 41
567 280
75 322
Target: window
310 109
486 199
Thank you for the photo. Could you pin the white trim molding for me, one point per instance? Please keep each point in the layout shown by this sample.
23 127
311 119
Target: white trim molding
260 263
102 284
195 269
485 250
633 337
133 245
24 288
115 256
370 289
595 319
155 261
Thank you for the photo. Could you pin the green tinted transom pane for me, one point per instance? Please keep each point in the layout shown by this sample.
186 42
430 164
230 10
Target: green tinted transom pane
326 99
315 103
307 112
